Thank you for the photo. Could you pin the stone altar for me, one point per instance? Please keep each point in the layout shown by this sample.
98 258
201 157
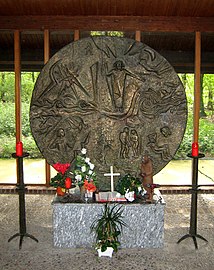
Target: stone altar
71 225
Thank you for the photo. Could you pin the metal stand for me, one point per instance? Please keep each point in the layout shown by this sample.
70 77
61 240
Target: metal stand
21 191
193 217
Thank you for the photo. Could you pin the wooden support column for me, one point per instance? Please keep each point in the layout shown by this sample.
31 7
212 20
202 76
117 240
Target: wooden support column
46 58
17 70
197 85
76 35
138 35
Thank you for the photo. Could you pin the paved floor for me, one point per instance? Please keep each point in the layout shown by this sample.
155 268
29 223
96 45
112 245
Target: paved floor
44 256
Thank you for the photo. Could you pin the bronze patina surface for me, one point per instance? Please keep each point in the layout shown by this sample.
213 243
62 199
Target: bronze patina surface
116 97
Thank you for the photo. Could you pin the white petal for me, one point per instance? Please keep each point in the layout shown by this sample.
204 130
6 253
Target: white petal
83 169
78 177
83 151
91 166
87 160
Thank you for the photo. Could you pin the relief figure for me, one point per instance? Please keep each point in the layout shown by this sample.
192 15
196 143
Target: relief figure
116 79
162 150
134 142
125 143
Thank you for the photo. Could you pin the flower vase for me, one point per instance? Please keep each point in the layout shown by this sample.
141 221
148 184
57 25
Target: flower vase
82 192
60 191
107 253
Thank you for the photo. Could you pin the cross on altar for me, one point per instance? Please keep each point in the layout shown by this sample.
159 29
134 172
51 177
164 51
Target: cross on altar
112 177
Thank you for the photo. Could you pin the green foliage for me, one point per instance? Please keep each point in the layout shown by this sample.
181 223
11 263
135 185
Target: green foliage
7 146
128 182
31 147
8 132
7 119
26 131
206 139
108 226
7 86
28 80
58 180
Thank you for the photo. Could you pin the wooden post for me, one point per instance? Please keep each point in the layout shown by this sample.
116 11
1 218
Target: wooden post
46 58
17 70
137 35
76 35
197 85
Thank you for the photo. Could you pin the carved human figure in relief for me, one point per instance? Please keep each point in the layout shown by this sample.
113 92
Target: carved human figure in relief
125 143
147 175
162 150
117 84
134 141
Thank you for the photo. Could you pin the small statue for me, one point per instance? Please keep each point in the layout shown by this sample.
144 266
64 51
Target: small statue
147 175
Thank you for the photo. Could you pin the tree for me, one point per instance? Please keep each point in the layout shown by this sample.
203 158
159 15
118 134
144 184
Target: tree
209 88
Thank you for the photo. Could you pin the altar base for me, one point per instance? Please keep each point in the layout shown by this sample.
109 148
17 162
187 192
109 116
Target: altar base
72 221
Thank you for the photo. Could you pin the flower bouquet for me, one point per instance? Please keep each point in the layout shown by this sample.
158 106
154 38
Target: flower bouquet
84 171
84 174
62 180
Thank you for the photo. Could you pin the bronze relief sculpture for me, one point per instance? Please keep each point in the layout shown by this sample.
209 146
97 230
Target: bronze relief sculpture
116 97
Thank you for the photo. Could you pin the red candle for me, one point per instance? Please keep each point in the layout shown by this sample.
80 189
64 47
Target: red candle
68 182
195 149
19 149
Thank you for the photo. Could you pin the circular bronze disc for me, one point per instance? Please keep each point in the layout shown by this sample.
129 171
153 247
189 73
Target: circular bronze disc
116 97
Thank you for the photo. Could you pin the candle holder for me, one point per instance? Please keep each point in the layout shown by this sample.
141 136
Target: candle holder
21 191
194 202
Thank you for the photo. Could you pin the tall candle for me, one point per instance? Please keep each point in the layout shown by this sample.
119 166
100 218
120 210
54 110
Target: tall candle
19 149
195 149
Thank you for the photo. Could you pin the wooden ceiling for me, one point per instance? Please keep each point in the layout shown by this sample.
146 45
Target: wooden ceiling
168 26
182 8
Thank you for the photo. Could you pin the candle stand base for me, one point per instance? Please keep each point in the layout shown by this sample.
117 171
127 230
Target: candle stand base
21 191
21 238
194 236
194 202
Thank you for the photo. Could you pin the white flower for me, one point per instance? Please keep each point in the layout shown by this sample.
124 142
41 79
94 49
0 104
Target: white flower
83 168
90 172
91 166
129 195
87 160
83 151
78 177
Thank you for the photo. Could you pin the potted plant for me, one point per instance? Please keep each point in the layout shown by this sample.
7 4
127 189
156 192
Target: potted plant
129 186
107 227
62 180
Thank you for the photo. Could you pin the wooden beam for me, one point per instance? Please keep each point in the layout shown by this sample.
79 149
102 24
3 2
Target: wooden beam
17 70
197 85
46 58
104 23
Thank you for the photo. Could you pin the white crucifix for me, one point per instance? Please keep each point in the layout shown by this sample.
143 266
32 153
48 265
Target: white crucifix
112 177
